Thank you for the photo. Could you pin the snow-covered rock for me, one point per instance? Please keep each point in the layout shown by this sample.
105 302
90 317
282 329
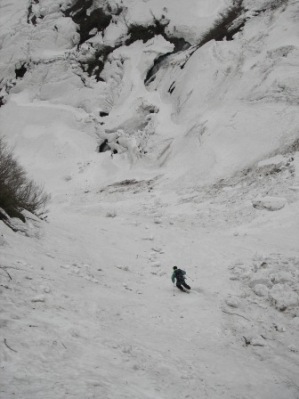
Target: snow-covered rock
261 290
283 297
278 160
269 203
233 302
39 298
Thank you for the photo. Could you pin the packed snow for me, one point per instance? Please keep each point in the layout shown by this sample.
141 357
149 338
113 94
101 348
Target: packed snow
195 164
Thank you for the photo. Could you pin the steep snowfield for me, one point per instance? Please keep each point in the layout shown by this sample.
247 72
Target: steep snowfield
88 309
245 101
205 176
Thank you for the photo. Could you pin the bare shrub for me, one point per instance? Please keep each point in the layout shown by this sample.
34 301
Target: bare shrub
17 191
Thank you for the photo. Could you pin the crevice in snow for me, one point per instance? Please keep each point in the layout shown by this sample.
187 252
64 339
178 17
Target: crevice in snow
20 71
150 76
171 88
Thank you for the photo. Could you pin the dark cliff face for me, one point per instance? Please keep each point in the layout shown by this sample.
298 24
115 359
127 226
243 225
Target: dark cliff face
98 19
89 24
92 22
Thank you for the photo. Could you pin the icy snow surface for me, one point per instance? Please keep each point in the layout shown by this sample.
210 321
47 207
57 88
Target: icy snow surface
200 170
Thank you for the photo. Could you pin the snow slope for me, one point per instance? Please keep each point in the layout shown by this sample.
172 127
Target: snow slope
205 177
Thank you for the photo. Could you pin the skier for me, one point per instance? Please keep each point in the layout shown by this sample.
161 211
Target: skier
179 276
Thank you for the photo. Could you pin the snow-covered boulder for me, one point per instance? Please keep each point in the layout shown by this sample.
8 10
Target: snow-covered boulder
260 278
269 203
277 161
283 297
261 290
232 302
281 277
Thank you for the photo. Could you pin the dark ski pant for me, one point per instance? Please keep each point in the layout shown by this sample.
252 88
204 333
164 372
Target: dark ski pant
179 284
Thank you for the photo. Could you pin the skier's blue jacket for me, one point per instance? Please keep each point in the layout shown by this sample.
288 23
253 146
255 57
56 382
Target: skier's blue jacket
179 275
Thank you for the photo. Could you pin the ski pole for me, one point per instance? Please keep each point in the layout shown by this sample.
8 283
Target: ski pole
189 277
